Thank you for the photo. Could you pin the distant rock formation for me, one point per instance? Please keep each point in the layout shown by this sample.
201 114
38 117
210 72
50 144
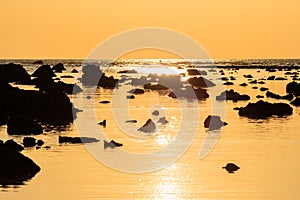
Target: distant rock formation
76 140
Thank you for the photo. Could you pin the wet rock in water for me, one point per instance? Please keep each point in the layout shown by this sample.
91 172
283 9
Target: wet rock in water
12 146
243 84
131 121
293 88
192 72
271 78
15 168
43 72
148 127
261 82
103 123
228 83
155 113
67 76
58 67
38 62
262 109
200 82
40 143
3 119
296 102
108 82
253 82
214 123
112 144
248 76
29 142
277 96
68 88
190 93
74 71
130 97
280 79
136 91
263 89
255 88
76 140
162 120
14 73
231 167
259 96
20 125
127 72
232 95
150 86
104 102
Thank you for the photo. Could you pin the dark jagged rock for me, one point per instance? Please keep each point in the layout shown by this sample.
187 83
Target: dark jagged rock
103 123
136 91
127 72
155 113
162 120
190 93
200 82
150 86
255 88
262 109
259 96
76 140
214 123
108 82
74 71
67 76
261 82
228 83
271 78
248 76
293 88
38 62
253 82
232 95
43 72
263 89
131 121
280 79
104 102
276 96
148 127
58 67
20 125
231 167
296 102
112 144
195 72
14 73
12 146
16 168
29 142
40 143
49 108
244 84
130 97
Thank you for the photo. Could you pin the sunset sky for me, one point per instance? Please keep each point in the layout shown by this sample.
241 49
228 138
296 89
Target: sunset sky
226 29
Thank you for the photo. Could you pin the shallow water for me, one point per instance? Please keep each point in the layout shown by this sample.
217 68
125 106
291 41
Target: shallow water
266 151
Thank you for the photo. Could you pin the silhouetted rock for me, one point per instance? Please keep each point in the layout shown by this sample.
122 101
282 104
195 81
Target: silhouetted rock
43 72
112 144
259 96
155 113
195 72
130 97
108 82
280 79
148 127
14 73
74 71
261 110
40 143
76 140
296 102
231 167
263 89
38 62
270 78
213 123
16 168
104 102
200 82
12 146
232 95
67 76
20 125
29 142
58 67
127 72
248 76
162 120
103 123
244 84
293 88
136 91
150 86
228 83
276 96
190 93
131 121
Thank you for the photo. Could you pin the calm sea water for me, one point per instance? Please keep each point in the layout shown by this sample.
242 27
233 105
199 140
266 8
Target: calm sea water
266 150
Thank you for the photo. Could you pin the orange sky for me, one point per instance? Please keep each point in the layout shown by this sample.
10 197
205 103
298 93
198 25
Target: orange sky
226 29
